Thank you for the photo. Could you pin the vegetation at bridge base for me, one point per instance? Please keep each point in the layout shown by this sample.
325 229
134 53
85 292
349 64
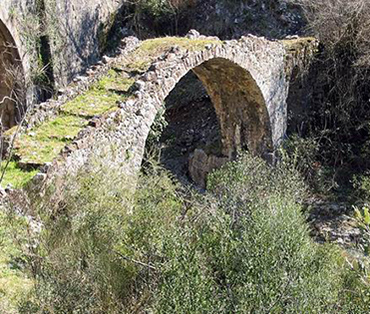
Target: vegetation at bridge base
242 247
15 281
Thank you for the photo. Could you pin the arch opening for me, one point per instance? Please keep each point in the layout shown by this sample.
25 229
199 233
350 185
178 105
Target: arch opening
12 80
193 132
240 106
213 112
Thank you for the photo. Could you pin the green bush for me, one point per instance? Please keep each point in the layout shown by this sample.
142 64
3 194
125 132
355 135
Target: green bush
243 247
361 185
94 254
274 264
304 155
162 16
14 280
76 267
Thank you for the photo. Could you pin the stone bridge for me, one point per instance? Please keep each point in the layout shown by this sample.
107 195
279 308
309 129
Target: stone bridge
247 81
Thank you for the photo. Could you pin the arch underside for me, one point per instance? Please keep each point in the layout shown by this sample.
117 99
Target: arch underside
240 107
11 78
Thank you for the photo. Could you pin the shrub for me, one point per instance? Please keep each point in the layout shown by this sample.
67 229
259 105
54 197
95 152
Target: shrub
162 15
304 155
339 112
76 266
274 265
242 247
14 280
94 254
361 185
357 282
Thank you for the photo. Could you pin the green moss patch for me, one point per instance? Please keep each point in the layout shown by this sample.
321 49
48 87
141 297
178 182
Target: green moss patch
45 142
93 103
116 81
153 46
151 49
101 97
16 176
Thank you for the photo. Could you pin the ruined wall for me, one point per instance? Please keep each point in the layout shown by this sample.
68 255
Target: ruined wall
74 30
77 31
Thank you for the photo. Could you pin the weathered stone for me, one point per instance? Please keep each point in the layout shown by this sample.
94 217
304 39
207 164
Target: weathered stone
193 34
201 164
39 178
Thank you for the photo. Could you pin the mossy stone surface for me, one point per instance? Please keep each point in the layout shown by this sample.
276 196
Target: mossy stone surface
45 142
16 176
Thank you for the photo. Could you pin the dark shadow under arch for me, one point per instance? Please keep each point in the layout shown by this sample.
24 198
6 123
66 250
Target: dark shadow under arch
239 105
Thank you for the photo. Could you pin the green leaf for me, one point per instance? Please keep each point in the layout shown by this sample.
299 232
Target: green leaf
358 214
366 216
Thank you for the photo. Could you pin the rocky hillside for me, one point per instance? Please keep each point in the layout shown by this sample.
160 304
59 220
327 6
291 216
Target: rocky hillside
223 18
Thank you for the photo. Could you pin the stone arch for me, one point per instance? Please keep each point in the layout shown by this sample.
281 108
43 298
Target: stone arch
11 78
239 102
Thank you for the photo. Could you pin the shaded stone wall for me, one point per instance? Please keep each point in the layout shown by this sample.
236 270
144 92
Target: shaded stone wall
62 36
77 31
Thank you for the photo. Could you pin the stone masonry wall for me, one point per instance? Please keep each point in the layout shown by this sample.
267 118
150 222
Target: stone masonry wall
77 30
